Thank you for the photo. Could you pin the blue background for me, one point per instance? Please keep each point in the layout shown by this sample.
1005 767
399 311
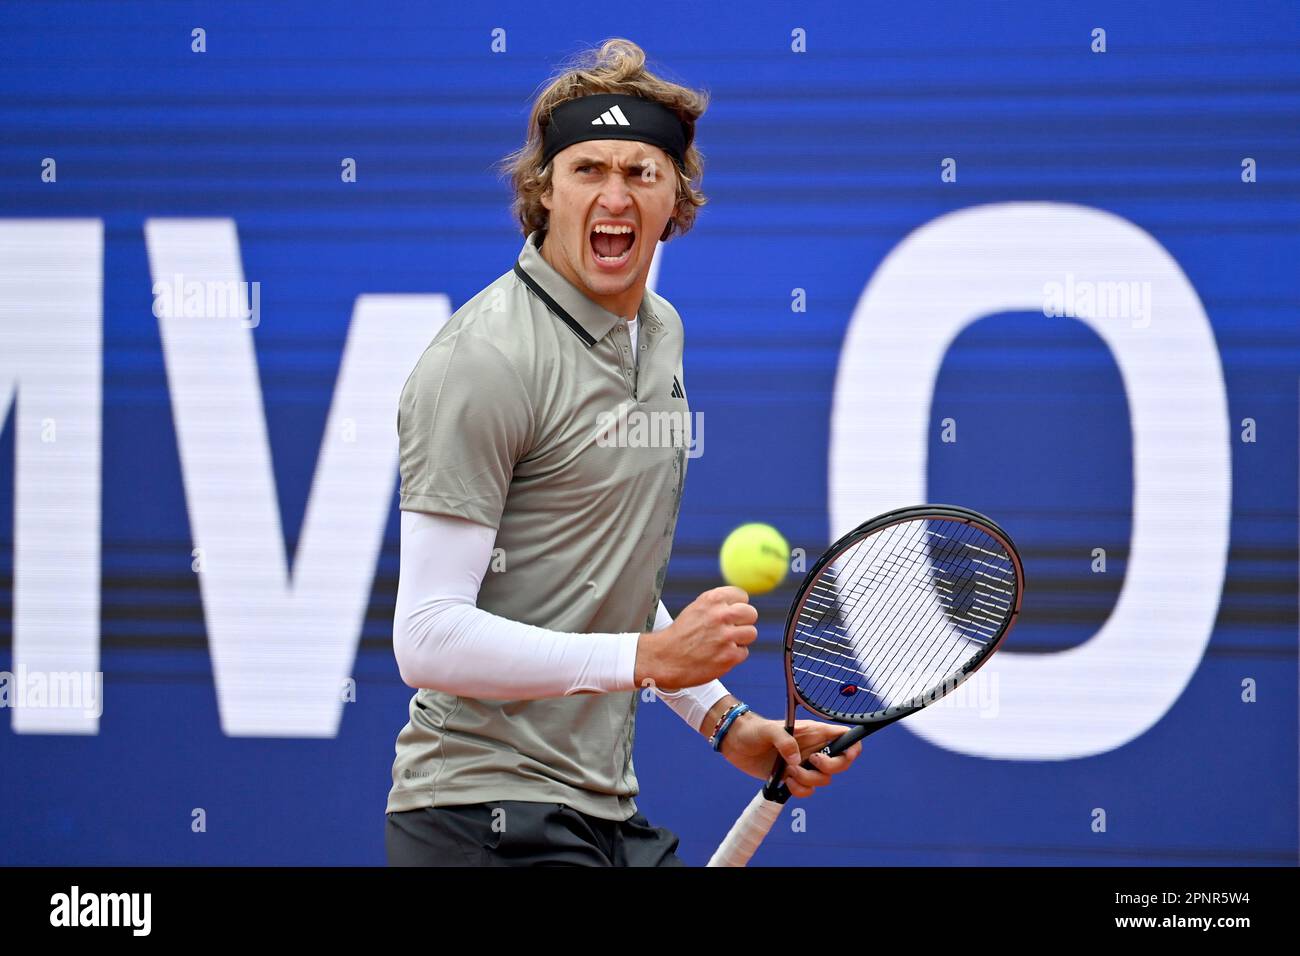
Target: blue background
816 166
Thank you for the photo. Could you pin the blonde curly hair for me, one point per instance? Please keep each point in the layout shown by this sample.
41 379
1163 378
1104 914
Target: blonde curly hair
616 66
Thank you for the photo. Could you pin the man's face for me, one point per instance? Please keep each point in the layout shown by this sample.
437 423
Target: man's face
599 189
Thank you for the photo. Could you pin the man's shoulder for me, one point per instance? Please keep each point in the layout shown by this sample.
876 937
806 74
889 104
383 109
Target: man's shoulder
500 312
490 332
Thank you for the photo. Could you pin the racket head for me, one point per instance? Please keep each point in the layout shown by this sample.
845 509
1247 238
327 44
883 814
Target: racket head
935 585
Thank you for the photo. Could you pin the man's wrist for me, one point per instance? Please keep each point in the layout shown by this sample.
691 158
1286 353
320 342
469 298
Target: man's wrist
716 713
720 733
646 671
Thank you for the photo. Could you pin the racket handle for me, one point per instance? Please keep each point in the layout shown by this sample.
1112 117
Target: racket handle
747 832
781 793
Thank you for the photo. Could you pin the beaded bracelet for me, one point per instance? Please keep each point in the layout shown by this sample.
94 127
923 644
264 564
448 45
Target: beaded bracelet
718 723
725 724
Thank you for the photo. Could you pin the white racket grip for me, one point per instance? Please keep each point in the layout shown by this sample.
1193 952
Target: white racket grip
747 832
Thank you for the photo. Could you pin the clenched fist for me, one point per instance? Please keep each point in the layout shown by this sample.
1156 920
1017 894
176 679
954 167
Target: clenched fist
710 637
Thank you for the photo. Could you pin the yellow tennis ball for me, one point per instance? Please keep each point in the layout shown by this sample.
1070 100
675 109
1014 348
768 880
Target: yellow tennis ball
755 558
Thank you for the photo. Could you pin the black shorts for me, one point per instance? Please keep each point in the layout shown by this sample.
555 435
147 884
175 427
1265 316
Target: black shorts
519 833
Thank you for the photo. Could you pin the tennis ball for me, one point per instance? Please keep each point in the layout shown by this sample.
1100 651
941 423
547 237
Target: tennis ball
755 558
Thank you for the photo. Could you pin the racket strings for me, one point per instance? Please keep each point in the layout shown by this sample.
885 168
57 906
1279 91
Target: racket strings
894 611
936 650
899 612
935 646
864 593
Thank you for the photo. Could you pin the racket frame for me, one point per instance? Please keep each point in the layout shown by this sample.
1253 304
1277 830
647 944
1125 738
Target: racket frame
861 727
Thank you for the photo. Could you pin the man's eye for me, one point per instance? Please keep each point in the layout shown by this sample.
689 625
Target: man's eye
581 168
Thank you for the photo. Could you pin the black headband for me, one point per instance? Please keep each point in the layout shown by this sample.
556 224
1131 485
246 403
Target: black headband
615 116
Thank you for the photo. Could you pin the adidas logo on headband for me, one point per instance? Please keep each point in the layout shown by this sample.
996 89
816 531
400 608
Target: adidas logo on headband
611 117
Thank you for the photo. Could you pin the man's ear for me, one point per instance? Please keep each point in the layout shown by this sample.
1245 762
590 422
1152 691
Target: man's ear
548 195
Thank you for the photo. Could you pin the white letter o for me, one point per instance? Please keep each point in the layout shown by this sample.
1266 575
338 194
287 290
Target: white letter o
1107 691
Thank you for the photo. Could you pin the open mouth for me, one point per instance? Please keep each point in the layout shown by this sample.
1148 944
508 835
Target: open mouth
612 245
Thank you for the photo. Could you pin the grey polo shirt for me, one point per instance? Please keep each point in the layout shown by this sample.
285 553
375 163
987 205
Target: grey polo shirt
529 413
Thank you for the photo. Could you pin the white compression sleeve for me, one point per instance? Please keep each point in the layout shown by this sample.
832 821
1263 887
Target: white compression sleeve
691 704
442 640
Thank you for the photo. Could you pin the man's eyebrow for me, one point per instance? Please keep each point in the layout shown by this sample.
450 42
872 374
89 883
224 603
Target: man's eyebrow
593 161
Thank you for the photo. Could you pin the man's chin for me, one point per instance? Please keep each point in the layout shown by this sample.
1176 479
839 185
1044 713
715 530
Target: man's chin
609 283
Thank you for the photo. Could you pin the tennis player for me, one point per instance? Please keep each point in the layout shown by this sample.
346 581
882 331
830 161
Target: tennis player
534 541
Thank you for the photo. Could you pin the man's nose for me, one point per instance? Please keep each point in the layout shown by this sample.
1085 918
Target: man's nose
614 195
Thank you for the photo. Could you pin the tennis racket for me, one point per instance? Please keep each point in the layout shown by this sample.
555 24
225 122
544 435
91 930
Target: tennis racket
893 617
